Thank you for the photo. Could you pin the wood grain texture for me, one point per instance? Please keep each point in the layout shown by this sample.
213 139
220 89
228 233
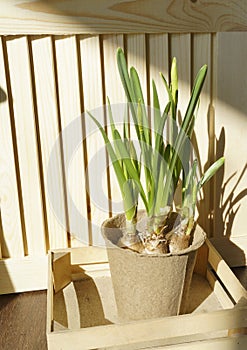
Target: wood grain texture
22 321
117 16
201 55
115 92
25 124
11 239
158 62
93 100
46 98
70 106
136 57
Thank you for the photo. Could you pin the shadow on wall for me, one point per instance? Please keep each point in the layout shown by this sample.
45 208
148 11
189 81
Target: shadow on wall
3 96
221 208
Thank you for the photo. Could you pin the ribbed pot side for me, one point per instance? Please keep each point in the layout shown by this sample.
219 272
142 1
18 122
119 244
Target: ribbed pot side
149 286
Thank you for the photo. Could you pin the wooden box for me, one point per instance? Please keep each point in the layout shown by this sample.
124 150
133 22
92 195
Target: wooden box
81 310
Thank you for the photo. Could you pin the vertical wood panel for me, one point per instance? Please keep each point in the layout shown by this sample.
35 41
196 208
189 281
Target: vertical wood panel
94 100
114 90
70 108
49 131
158 62
11 239
231 128
20 77
203 125
136 57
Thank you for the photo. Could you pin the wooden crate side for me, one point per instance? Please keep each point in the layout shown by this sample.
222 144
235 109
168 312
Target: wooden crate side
61 270
232 284
150 330
212 344
66 16
233 250
219 291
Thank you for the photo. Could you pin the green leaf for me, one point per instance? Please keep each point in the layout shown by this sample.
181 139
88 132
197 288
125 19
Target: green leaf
110 116
124 75
174 81
136 86
125 187
185 127
156 106
133 172
211 171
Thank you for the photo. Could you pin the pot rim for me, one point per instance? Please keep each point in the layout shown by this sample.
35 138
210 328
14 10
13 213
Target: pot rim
191 248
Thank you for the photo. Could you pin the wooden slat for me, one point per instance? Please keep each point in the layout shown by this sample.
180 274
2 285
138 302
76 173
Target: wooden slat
158 62
230 129
96 157
49 131
20 78
232 284
70 109
115 92
150 330
136 57
201 46
233 250
212 344
85 255
11 239
72 16
219 291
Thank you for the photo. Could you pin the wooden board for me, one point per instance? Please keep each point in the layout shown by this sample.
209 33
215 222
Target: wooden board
70 107
93 100
66 16
115 92
47 110
204 132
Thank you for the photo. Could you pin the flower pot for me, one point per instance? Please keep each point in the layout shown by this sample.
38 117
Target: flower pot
149 286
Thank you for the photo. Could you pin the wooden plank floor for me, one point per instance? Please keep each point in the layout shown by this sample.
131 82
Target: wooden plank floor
23 318
23 321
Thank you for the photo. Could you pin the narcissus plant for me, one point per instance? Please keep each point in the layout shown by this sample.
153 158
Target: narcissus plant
166 162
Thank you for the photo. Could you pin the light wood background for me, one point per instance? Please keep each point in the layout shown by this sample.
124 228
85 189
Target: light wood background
57 59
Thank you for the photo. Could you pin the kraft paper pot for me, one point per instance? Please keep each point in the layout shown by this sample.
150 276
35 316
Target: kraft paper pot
149 286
